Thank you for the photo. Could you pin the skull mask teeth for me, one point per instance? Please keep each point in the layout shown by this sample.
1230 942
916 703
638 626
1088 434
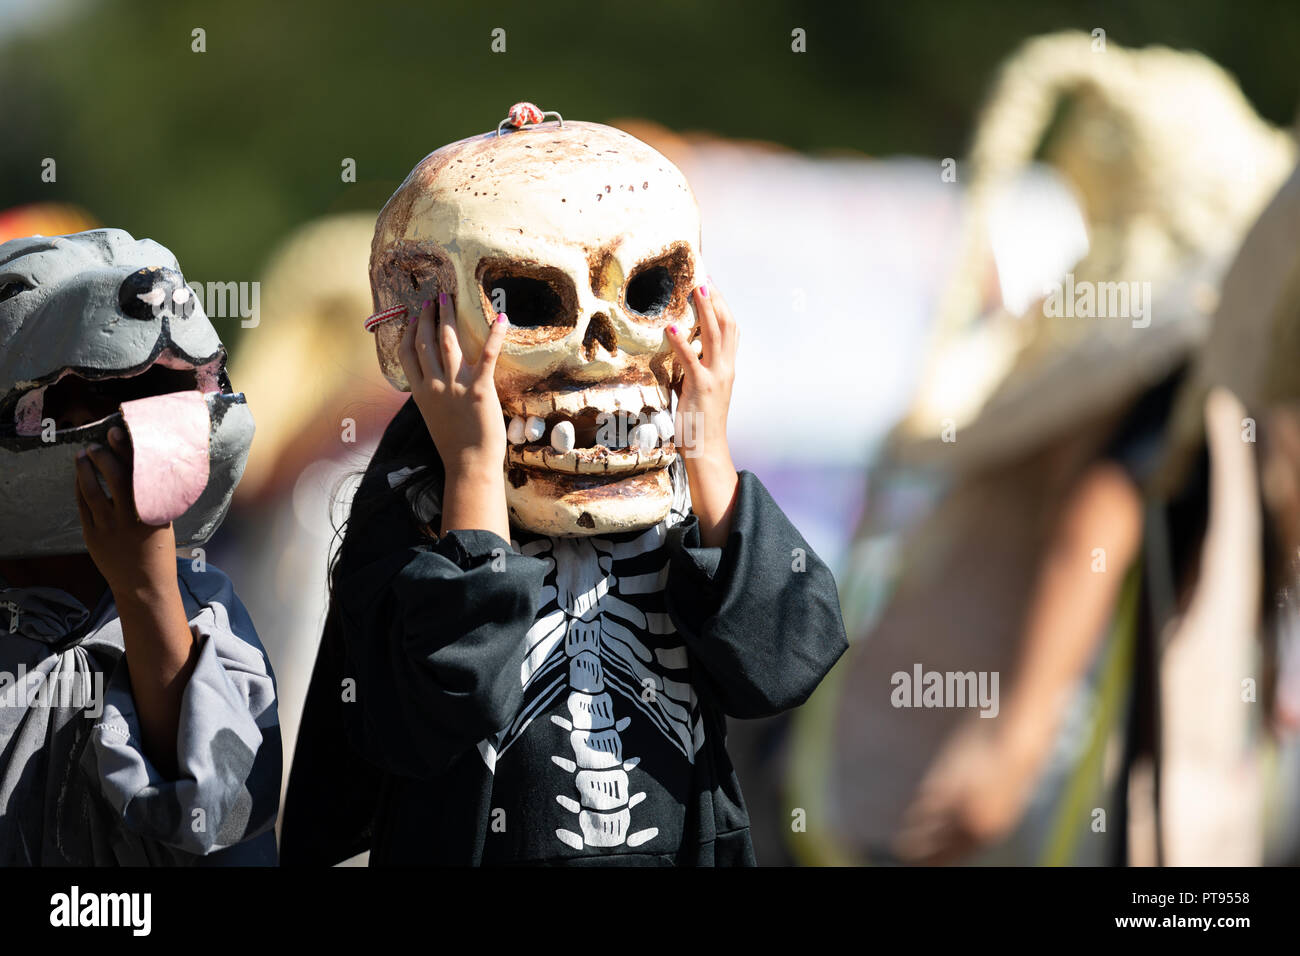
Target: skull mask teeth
589 240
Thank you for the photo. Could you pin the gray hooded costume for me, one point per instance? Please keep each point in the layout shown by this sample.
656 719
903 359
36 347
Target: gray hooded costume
103 315
76 789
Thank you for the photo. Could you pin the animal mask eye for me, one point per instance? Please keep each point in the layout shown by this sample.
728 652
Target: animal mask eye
12 287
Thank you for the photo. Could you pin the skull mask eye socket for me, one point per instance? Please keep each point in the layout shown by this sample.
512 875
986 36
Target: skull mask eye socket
659 288
530 303
534 297
650 291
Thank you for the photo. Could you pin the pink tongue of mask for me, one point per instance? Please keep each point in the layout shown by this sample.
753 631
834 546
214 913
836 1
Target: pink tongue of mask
169 435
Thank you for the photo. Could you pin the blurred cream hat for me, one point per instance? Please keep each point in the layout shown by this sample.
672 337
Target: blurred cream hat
305 362
1170 164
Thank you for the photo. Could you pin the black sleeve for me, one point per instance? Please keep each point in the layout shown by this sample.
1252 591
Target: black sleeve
761 614
329 806
434 638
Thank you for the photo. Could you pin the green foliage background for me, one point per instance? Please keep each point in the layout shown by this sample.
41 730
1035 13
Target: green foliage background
220 154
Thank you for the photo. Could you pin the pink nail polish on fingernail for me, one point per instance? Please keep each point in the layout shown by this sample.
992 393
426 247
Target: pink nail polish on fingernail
442 298
672 329
501 317
425 305
704 291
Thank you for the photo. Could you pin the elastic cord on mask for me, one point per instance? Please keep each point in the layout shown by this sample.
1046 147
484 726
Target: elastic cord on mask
384 316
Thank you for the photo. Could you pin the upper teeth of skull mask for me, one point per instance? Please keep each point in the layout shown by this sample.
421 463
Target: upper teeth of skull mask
588 240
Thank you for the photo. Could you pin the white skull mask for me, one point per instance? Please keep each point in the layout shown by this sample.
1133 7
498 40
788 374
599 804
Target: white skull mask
589 240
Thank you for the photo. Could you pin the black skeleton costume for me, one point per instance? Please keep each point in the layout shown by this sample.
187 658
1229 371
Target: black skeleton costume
547 700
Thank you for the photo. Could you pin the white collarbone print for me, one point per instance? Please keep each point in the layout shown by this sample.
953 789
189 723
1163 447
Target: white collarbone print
604 646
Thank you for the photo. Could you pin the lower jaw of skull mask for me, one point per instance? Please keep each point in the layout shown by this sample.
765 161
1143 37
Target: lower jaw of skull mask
584 461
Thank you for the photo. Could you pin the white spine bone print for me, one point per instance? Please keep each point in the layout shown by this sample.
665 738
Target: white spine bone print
605 801
591 650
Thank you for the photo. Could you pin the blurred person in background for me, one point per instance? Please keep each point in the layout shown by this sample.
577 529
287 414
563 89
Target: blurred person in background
1026 562
1227 615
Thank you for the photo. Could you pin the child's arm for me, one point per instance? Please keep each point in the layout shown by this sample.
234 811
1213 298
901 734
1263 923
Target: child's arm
187 748
226 788
754 604
139 563
976 791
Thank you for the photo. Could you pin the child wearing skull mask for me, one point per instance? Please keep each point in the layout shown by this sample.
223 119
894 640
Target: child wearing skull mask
538 669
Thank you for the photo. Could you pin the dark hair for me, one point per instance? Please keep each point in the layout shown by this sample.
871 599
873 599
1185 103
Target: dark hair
382 516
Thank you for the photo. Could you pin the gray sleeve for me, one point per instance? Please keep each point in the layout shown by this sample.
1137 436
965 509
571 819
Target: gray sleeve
227 786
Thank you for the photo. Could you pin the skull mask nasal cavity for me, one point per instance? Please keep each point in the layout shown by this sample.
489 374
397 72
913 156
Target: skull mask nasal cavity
599 331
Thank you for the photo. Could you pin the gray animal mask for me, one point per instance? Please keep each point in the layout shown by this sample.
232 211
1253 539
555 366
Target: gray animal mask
99 329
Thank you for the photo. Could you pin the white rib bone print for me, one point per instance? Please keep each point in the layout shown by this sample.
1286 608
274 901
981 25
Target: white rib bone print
592 649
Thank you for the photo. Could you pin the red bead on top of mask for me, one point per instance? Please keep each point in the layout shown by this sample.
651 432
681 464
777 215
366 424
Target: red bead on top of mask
527 114
524 114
